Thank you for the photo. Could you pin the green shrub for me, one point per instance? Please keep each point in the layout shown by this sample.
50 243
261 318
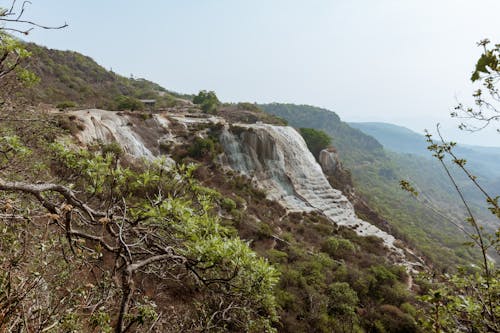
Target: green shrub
201 147
276 256
228 204
316 140
342 299
248 106
337 247
65 105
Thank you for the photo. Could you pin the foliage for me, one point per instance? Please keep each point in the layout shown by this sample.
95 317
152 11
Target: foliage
337 247
316 140
470 298
201 147
248 106
425 229
12 74
68 75
12 51
486 110
207 100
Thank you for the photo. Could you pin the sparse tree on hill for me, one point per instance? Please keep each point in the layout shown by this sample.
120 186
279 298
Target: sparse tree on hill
207 100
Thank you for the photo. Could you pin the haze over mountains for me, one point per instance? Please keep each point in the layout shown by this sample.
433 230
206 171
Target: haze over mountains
483 160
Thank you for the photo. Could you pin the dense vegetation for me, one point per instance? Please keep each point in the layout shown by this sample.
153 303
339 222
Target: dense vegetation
91 248
207 100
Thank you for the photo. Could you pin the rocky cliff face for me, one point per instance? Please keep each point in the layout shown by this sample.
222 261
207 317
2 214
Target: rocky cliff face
275 157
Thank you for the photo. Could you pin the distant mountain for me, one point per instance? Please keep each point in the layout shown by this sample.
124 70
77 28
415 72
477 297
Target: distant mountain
396 138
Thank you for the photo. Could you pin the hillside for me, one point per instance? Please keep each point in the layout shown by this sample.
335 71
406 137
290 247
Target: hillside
68 76
355 147
376 174
245 233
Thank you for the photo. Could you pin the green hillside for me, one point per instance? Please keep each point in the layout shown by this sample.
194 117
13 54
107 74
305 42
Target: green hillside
69 76
352 143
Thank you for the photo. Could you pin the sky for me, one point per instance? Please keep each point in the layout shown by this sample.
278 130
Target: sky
406 62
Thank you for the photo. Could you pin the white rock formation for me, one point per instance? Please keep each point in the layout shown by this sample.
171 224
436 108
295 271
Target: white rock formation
106 126
279 159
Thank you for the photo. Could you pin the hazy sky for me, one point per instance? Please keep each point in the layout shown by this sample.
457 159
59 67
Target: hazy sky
399 61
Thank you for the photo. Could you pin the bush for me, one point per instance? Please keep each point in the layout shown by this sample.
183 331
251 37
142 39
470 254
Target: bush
248 106
65 105
201 147
343 300
337 247
228 204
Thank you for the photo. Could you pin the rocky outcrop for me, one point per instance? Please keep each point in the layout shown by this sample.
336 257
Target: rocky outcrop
329 161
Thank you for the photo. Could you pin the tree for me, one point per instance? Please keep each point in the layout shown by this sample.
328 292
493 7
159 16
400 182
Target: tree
12 19
128 103
487 109
89 244
130 228
12 52
207 100
316 140
469 300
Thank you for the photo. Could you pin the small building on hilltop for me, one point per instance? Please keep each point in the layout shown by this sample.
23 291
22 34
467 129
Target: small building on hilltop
149 103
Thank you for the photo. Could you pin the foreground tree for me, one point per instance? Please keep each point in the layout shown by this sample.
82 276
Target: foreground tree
118 246
12 51
487 101
469 300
